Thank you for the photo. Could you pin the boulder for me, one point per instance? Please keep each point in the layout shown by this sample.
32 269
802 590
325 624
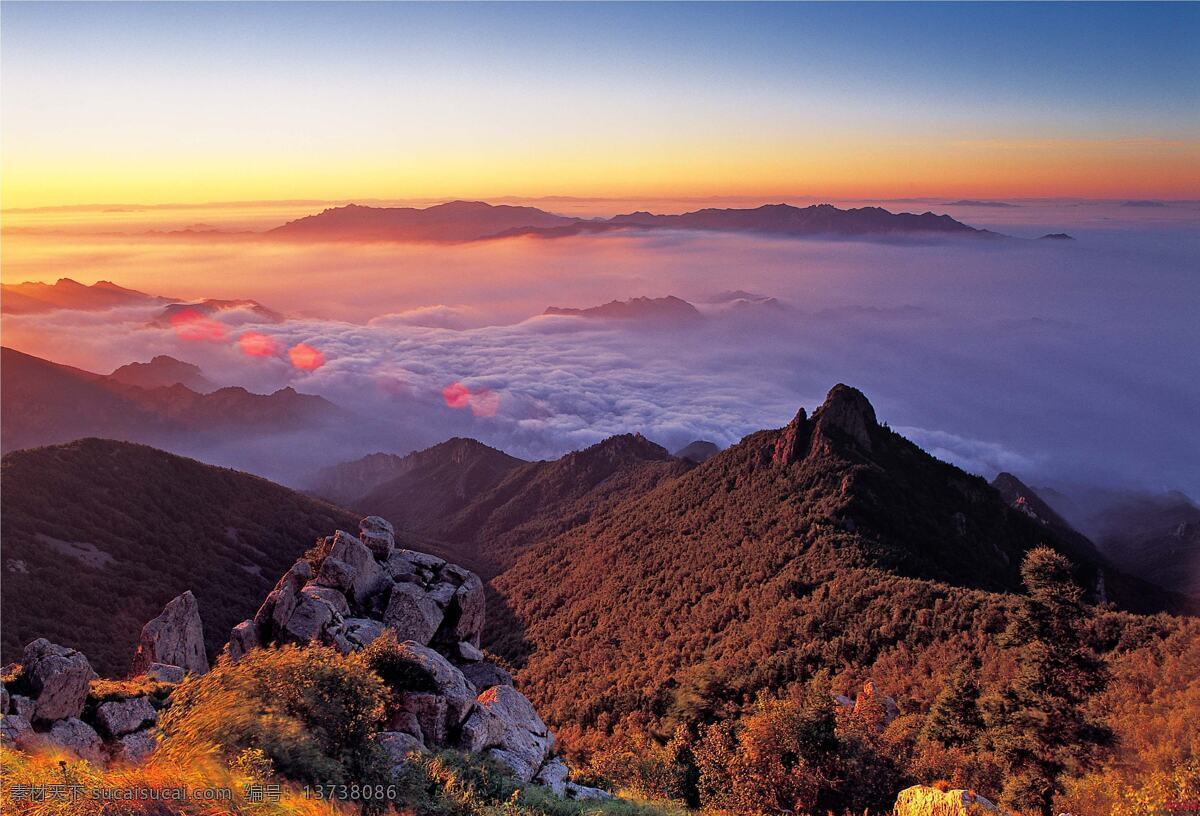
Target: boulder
451 685
431 714
554 775
165 673
351 567
506 726
121 717
15 730
412 613
922 800
242 639
76 736
330 596
3 699
378 535
464 614
23 706
467 652
59 677
398 745
362 631
485 675
133 748
583 793
308 621
175 637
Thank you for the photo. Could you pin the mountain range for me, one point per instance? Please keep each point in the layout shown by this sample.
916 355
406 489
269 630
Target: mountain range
32 297
47 403
477 220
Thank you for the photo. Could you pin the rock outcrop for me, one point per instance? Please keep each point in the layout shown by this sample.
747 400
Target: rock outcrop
174 638
58 679
352 589
922 800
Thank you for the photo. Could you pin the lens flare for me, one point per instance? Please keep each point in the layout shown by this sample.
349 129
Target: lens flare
456 395
483 402
190 324
305 357
257 344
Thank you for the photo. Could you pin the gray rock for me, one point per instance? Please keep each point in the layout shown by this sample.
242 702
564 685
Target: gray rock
467 652
362 631
452 686
398 745
242 639
442 593
308 621
464 615
353 569
134 748
412 613
165 673
505 724
24 706
59 677
122 717
420 559
378 535
336 600
484 676
583 793
554 775
79 738
407 722
3 699
15 730
431 713
175 637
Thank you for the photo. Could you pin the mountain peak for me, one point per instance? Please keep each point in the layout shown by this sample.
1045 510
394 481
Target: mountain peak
847 412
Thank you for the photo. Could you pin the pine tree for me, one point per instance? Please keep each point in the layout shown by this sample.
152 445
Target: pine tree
954 719
1041 728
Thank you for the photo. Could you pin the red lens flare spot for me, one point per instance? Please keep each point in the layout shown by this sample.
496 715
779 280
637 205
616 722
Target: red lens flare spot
190 324
257 344
456 395
305 357
484 402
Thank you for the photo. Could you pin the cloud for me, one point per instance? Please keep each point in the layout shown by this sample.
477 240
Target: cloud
438 316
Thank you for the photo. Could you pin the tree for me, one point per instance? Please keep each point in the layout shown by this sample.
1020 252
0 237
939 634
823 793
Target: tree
954 719
1041 727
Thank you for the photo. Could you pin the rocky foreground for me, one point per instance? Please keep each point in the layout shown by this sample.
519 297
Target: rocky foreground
345 593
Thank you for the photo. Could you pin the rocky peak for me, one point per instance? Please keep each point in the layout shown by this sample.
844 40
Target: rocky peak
846 414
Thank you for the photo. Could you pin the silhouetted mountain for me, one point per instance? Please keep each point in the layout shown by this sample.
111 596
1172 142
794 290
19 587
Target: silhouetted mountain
970 202
163 371
1022 498
1153 536
454 221
178 313
829 543
46 403
701 450
1056 236
99 535
476 220
668 308
30 298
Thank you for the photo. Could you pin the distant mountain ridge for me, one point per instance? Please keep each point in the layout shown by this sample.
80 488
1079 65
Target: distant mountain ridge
476 220
65 293
638 308
163 371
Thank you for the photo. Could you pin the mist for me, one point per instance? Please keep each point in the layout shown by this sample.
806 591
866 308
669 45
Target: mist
1064 362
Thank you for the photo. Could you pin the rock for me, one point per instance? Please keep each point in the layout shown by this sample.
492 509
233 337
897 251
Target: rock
398 745
879 710
308 621
3 699
506 725
23 706
122 717
431 714
407 722
352 568
59 677
412 613
554 775
15 730
76 736
843 701
583 793
468 652
242 639
378 536
485 675
452 686
335 599
442 593
165 673
175 637
362 631
133 748
922 800
464 615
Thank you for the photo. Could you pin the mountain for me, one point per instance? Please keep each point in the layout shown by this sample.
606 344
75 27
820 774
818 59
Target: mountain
177 313
476 220
668 308
1056 236
162 371
46 403
1023 499
831 543
99 535
483 507
453 221
31 297
701 450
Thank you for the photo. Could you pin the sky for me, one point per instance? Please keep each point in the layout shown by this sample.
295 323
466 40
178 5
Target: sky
177 102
